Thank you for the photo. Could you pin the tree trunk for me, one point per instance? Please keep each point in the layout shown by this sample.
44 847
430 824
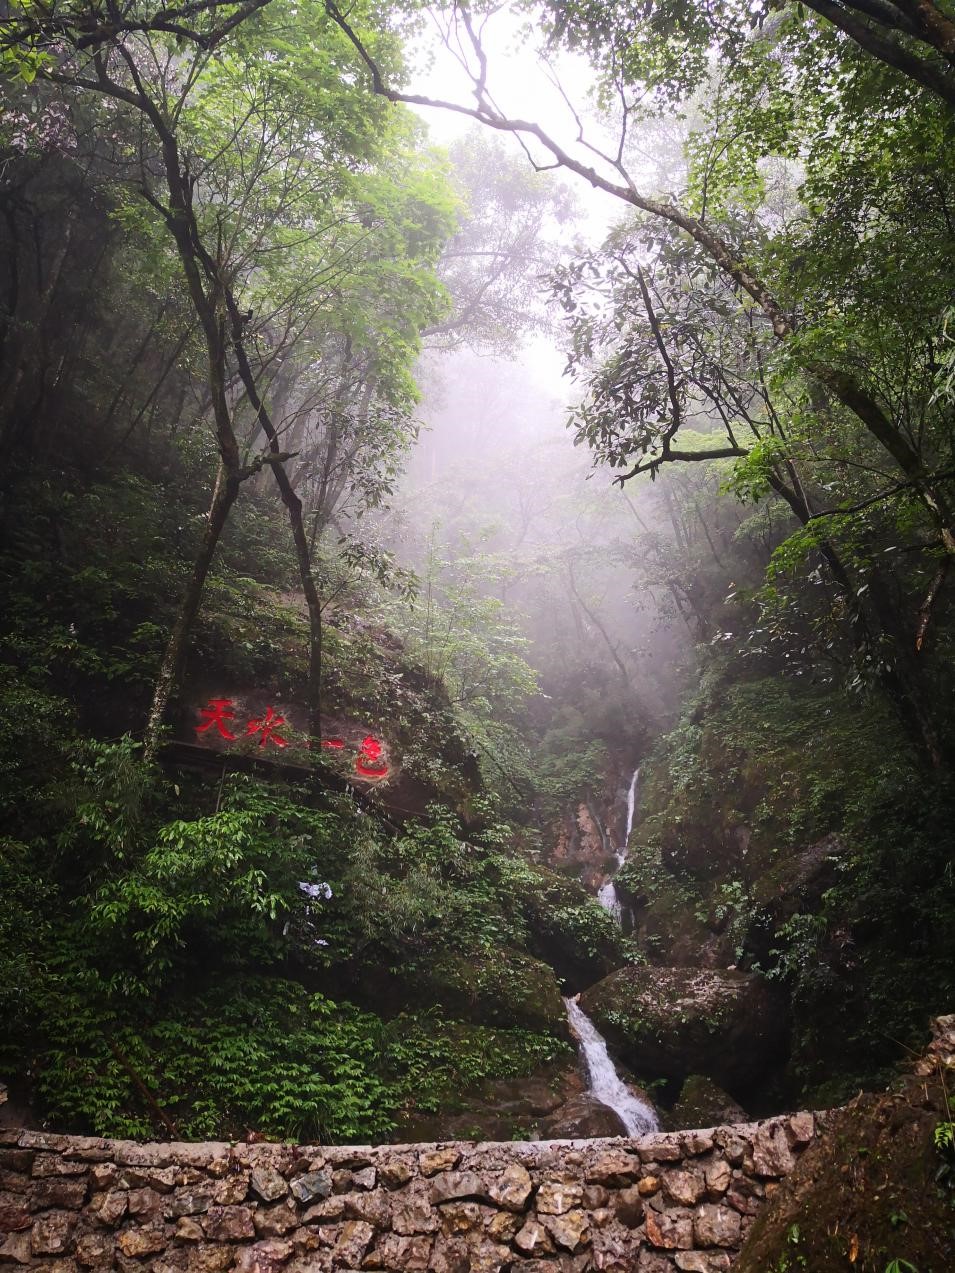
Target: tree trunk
223 497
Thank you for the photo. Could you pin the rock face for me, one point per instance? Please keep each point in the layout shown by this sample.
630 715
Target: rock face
673 1022
582 1116
702 1103
656 1204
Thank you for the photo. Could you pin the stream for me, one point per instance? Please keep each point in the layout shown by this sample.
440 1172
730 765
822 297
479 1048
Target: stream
606 1085
607 893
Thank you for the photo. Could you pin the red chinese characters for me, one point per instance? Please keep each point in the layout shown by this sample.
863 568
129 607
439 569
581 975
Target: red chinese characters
266 727
368 762
215 715
218 720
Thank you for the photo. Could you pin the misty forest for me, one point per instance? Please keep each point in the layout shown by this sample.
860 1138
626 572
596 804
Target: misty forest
478 619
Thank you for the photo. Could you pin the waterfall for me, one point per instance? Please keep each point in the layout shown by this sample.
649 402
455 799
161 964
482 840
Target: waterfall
606 1085
607 893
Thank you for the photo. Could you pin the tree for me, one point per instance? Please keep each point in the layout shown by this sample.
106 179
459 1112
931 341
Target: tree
234 170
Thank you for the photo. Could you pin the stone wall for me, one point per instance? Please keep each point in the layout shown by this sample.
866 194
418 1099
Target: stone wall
660 1203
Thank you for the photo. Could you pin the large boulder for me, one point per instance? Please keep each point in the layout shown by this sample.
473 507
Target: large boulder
581 1117
673 1022
569 930
703 1103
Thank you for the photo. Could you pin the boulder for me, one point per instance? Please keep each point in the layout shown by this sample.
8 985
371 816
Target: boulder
581 1117
673 1022
703 1103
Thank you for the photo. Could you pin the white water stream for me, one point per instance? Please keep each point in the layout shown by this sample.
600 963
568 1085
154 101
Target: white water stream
607 893
606 1084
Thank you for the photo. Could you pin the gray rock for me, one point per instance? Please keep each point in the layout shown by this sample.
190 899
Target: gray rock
314 1184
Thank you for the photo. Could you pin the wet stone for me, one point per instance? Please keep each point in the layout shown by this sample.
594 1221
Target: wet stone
554 1197
394 1174
533 1238
143 1241
268 1183
629 1207
314 1184
570 1230
457 1184
716 1226
396 1252
53 1232
670 1230
512 1188
439 1160
685 1188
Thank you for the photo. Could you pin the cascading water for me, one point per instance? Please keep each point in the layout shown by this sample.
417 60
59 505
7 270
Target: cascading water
606 1084
607 893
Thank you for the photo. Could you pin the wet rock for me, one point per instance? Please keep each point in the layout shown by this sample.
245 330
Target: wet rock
398 1253
716 1226
512 1188
353 1242
314 1184
670 1230
269 1184
685 1188
580 1118
629 1207
771 1153
439 1160
680 1021
555 1197
52 1233
229 1224
703 1103
393 1175
457 1184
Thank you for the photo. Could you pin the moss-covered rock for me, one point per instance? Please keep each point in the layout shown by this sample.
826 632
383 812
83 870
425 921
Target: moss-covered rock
569 930
673 1022
504 988
703 1103
873 1189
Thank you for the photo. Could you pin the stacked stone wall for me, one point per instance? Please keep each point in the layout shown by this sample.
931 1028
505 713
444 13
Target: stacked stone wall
656 1204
